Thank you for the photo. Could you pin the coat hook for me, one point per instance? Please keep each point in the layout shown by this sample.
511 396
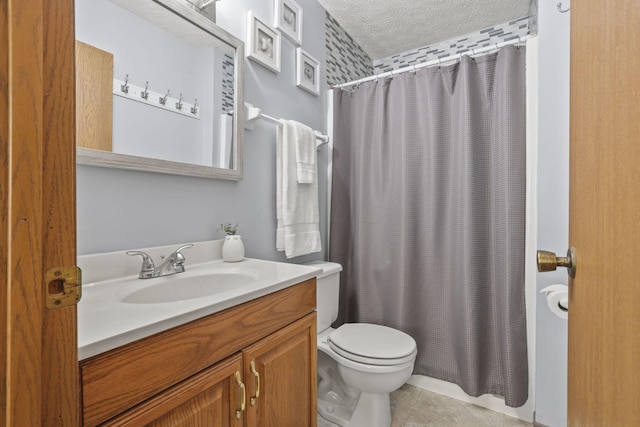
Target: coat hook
145 94
163 100
206 4
125 87
194 109
179 103
561 10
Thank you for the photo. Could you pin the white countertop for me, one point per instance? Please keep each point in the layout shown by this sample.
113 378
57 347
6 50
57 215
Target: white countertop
104 322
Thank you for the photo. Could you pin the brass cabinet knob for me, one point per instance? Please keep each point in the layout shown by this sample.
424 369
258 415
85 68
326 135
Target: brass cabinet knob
548 261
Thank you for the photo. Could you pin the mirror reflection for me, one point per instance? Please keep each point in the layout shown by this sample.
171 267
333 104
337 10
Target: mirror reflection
157 87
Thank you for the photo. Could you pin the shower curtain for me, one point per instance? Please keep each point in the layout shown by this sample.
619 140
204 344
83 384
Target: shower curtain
428 216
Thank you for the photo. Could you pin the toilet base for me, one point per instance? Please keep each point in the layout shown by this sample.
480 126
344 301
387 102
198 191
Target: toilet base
372 410
326 423
336 412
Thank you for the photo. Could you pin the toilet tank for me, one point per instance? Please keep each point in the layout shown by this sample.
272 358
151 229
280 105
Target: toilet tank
327 292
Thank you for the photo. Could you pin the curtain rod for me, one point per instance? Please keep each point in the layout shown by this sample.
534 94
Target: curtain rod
438 61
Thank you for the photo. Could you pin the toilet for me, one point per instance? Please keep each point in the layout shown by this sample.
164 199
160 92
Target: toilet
359 364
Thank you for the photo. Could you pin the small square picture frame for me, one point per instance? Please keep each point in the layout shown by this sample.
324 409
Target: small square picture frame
288 19
307 72
263 43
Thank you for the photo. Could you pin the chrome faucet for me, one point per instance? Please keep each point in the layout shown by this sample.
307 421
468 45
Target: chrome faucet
172 264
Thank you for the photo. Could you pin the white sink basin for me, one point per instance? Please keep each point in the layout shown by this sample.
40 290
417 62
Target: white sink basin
181 288
117 308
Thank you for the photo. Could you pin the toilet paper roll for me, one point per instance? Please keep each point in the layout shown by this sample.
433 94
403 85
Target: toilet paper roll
558 300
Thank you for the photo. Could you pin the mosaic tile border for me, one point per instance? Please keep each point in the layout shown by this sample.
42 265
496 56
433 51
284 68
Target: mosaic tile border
346 60
486 37
228 69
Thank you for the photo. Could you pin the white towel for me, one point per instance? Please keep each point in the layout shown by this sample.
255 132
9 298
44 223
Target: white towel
304 140
297 211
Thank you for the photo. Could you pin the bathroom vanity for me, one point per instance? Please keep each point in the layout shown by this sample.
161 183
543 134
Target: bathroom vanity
249 363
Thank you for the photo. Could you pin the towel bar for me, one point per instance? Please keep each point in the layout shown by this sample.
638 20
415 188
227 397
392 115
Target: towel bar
251 114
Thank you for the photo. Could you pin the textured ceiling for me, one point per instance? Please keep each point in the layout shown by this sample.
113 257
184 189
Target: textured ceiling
387 27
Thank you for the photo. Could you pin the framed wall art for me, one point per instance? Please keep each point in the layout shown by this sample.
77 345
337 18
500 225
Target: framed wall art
288 19
263 43
307 72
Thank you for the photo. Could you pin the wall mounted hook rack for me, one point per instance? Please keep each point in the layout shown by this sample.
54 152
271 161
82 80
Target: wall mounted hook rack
155 99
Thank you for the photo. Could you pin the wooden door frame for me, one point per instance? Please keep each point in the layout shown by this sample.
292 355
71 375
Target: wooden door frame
39 374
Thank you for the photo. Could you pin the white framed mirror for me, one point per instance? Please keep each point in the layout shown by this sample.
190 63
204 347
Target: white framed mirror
159 88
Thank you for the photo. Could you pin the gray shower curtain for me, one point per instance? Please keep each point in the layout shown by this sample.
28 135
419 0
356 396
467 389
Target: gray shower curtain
428 216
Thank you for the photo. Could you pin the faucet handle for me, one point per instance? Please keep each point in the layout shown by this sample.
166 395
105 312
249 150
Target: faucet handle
179 258
187 246
147 263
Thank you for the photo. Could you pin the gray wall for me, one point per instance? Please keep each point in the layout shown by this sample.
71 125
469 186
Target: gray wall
119 210
553 209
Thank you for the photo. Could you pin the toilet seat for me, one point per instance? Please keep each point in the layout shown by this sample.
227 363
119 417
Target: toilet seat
372 344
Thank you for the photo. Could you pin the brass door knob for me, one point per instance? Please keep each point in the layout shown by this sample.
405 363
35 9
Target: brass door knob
548 261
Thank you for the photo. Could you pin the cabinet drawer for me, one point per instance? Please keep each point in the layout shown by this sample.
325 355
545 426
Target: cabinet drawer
117 380
210 398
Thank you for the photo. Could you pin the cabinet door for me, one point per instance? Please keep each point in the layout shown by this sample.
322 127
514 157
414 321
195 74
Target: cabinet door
280 372
212 398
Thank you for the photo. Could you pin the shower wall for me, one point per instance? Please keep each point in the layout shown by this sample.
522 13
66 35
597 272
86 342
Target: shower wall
551 178
346 60
486 37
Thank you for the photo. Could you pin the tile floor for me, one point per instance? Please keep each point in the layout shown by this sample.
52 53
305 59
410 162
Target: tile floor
414 407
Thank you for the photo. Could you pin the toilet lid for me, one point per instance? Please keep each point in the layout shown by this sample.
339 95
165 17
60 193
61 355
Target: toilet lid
374 344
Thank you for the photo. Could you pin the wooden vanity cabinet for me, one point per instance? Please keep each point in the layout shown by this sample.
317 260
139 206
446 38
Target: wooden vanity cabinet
196 374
